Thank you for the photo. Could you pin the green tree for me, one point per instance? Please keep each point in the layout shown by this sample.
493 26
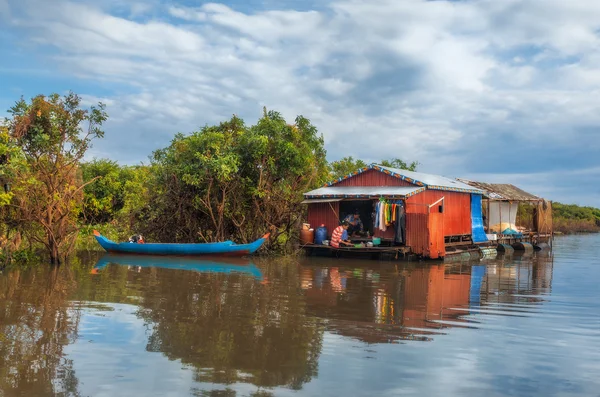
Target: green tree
104 197
345 166
280 162
11 161
401 164
234 181
569 218
138 182
48 192
348 165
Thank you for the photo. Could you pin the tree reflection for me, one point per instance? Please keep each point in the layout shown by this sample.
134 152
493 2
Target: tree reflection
233 328
36 322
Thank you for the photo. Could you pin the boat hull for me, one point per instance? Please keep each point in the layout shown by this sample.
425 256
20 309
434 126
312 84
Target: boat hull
226 248
204 265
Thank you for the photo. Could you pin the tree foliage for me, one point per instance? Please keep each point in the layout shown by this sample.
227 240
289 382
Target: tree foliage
572 211
226 181
348 165
345 166
570 218
234 181
48 189
105 198
398 163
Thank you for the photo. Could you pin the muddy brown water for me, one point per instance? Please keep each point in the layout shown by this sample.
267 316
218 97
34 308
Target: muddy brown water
511 326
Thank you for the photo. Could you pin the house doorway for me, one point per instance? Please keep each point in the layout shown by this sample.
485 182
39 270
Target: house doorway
364 209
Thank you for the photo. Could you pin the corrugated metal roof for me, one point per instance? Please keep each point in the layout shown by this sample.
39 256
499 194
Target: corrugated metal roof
430 181
502 191
363 191
436 182
321 200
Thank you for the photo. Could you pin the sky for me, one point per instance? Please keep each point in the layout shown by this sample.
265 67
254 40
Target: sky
496 91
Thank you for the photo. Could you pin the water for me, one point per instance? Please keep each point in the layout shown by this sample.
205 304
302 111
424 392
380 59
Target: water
518 326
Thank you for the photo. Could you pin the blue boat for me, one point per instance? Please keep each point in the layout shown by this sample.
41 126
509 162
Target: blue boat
208 265
227 248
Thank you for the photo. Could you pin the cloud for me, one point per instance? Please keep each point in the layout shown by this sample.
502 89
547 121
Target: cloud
470 87
4 8
564 184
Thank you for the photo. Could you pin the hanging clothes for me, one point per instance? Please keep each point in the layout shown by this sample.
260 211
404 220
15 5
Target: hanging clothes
400 225
388 214
374 216
385 214
382 225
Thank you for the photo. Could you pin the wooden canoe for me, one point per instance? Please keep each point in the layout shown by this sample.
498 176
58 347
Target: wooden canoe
227 248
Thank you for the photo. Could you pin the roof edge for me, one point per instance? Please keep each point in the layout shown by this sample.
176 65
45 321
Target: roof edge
492 191
376 167
308 196
413 181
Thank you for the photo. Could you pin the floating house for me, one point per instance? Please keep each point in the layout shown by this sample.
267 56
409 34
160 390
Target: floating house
436 216
500 207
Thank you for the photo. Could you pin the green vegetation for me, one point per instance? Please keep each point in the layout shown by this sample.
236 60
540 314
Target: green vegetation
571 218
241 330
348 165
228 181
43 144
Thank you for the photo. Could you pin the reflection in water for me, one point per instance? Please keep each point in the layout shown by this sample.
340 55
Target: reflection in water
209 327
413 302
203 265
36 322
376 306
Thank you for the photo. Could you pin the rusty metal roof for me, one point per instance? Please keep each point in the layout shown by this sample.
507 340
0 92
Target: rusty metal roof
436 182
420 179
363 191
502 191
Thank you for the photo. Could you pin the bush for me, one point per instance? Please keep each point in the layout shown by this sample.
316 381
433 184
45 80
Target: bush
571 218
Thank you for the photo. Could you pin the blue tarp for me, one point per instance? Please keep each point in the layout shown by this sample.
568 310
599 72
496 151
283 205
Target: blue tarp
477 220
477 274
512 232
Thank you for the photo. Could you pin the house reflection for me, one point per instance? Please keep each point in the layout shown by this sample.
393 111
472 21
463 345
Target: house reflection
521 279
387 305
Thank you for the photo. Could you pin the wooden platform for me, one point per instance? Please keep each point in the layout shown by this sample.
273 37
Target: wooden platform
527 237
372 251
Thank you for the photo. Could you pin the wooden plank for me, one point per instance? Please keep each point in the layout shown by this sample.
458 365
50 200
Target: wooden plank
402 249
459 243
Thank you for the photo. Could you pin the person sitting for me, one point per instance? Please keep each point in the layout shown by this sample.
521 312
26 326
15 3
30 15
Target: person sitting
340 236
137 239
354 222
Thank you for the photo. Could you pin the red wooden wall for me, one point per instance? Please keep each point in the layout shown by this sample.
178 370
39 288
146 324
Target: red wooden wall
324 214
420 228
457 209
437 247
373 178
417 237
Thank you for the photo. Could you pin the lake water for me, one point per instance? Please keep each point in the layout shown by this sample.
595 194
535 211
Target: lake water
513 326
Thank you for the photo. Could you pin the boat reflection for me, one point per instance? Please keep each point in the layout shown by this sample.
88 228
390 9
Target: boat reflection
203 265
228 329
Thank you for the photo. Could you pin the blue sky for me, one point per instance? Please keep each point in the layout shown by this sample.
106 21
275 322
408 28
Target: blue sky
498 91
